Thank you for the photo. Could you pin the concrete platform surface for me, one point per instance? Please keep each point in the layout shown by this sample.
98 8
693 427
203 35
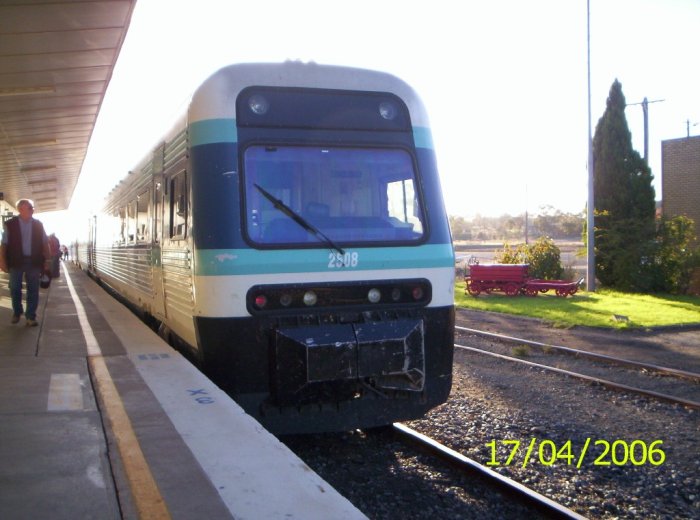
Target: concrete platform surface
99 418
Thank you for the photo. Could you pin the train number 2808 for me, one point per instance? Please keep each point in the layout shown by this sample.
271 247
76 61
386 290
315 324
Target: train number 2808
337 260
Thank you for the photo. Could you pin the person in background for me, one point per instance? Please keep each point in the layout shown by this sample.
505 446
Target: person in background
55 250
24 253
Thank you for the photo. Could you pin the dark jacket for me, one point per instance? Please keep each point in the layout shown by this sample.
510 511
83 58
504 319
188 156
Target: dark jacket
14 243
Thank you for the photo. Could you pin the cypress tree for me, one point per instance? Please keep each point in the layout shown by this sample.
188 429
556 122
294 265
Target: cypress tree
624 201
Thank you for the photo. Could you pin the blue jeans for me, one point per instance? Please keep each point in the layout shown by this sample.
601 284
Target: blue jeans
31 274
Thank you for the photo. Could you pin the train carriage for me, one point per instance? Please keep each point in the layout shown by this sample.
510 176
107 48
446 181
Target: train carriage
290 232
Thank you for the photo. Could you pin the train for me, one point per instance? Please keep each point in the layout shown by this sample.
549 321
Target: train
289 234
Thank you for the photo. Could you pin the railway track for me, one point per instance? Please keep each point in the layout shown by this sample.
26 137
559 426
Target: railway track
491 410
525 495
584 354
690 377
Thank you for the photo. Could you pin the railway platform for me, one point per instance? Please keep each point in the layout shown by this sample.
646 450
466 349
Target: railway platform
99 418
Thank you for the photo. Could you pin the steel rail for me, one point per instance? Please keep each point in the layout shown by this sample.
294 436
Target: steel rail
597 380
583 353
525 494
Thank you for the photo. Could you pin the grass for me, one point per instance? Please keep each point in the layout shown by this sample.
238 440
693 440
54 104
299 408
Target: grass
597 309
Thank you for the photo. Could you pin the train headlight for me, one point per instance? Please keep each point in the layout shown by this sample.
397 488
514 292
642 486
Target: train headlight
387 110
374 295
310 298
258 104
286 300
396 294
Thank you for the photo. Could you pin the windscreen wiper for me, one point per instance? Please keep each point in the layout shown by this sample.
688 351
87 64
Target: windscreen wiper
278 204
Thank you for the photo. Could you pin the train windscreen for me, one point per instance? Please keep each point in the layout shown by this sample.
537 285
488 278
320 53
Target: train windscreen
349 195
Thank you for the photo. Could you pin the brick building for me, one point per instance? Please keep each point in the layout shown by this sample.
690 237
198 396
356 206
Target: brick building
680 170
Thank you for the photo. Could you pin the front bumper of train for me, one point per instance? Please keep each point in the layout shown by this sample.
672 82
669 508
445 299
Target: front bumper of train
332 372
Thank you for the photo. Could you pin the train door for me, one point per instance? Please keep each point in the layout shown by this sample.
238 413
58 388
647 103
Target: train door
159 309
178 291
91 245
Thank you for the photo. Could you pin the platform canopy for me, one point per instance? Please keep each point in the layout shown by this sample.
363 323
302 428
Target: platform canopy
56 60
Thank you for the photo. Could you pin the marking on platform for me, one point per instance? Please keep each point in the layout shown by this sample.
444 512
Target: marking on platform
203 398
94 475
65 393
149 502
93 347
151 357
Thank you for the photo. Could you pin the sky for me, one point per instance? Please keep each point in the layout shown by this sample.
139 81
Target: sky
504 83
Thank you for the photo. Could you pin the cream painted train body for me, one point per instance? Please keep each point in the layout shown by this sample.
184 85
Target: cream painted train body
290 232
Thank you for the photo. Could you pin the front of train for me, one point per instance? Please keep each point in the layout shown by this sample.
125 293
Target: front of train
323 258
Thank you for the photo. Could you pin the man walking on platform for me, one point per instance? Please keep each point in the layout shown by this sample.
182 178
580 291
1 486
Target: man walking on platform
24 253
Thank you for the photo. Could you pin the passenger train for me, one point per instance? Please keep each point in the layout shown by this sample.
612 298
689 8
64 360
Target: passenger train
290 233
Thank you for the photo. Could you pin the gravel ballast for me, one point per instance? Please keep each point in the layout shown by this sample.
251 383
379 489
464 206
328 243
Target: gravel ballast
494 401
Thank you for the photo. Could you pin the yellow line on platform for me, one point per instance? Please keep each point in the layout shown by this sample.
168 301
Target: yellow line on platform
144 489
149 502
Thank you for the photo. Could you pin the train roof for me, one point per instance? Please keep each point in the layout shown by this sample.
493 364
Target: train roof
216 97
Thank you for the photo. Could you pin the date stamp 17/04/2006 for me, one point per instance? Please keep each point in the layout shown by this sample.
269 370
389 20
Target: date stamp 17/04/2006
598 452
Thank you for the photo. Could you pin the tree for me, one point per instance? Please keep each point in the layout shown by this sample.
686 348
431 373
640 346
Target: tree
460 228
624 201
543 257
675 256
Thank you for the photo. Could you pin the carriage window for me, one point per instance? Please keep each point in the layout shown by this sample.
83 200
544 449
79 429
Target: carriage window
351 195
158 211
120 226
131 221
178 205
143 228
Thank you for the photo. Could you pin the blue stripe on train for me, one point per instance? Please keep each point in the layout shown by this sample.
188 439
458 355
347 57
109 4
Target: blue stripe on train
209 131
222 262
216 183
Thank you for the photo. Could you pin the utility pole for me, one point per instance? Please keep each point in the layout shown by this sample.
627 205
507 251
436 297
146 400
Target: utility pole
645 110
527 240
688 124
526 219
590 210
